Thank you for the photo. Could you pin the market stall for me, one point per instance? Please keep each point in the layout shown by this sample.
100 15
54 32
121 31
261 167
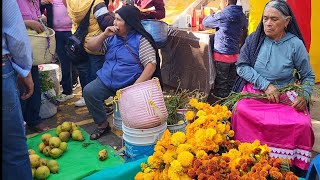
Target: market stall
187 58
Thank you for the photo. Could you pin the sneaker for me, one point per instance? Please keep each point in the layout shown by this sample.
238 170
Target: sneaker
75 86
80 102
64 97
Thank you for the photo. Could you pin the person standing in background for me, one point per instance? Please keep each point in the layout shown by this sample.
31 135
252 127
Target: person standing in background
100 18
16 65
149 9
230 24
30 10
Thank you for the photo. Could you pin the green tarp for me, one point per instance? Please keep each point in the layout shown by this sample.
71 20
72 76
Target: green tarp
78 161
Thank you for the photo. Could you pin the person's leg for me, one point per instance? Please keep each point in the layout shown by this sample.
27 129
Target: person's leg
95 93
66 82
96 63
75 75
31 106
221 86
15 157
84 76
232 76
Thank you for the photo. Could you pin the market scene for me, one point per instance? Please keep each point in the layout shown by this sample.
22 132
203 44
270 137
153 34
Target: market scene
160 90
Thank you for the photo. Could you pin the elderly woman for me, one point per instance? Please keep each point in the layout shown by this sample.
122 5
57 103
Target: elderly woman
131 57
266 63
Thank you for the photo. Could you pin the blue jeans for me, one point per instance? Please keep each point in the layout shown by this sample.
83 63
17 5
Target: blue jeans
94 94
96 63
31 106
65 61
84 73
15 157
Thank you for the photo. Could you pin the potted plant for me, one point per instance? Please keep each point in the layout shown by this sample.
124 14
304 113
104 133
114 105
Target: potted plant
177 105
48 95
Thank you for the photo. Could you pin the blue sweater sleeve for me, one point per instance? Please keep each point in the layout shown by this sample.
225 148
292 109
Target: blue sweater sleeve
212 21
302 64
251 75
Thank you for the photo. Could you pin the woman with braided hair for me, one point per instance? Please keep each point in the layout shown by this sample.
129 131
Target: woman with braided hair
266 63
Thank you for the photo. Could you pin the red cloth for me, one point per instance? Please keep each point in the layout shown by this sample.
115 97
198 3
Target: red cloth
226 58
302 12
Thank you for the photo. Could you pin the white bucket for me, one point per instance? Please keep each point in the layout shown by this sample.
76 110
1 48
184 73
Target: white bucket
54 73
140 143
117 120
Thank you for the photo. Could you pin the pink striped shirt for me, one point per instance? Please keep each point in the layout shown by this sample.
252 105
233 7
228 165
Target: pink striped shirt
61 20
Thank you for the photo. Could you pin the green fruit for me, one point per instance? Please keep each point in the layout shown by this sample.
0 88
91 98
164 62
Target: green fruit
64 136
54 142
77 135
66 126
43 162
31 151
45 138
53 166
74 128
63 146
41 147
33 171
55 153
34 160
42 172
58 130
46 151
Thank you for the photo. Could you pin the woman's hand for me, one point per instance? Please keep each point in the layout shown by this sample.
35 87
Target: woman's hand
272 93
110 31
299 103
43 2
26 84
34 25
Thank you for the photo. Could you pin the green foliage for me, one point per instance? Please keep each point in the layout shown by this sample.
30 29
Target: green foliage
46 82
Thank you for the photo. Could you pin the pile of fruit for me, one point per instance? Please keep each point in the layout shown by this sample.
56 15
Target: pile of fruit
41 167
56 146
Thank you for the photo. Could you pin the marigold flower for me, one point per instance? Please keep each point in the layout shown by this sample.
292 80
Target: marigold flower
184 147
201 113
263 173
178 138
148 176
173 175
139 176
193 102
231 133
150 160
185 158
275 174
176 166
143 166
159 148
201 154
169 156
221 127
189 115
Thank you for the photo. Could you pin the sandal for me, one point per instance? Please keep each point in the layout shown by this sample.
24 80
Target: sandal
39 128
99 132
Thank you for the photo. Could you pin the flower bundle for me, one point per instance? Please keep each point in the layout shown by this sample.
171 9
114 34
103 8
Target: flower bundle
206 151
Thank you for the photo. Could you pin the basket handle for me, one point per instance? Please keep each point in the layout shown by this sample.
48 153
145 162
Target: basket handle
157 110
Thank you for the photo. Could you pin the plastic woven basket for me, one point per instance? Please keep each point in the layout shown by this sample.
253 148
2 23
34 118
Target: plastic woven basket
43 46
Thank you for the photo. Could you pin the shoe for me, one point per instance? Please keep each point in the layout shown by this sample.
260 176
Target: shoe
63 97
39 128
99 132
80 102
109 110
75 86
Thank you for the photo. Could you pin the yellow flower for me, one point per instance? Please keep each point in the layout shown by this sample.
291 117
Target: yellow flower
210 133
231 133
173 175
218 138
185 177
185 158
184 147
147 170
143 166
189 115
201 154
221 127
139 176
148 176
159 148
178 138
193 102
201 113
150 160
169 156
175 166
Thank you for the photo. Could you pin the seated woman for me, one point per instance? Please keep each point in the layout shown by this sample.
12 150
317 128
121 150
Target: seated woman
131 57
266 63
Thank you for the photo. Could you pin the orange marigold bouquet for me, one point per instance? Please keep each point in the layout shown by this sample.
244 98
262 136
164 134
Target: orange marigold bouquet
207 151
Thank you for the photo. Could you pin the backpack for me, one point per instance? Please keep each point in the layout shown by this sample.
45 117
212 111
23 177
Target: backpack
75 43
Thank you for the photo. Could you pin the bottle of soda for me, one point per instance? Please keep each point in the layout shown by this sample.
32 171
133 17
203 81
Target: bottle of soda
194 18
202 16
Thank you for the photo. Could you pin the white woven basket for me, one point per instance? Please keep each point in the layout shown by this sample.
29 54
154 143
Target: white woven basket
43 46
